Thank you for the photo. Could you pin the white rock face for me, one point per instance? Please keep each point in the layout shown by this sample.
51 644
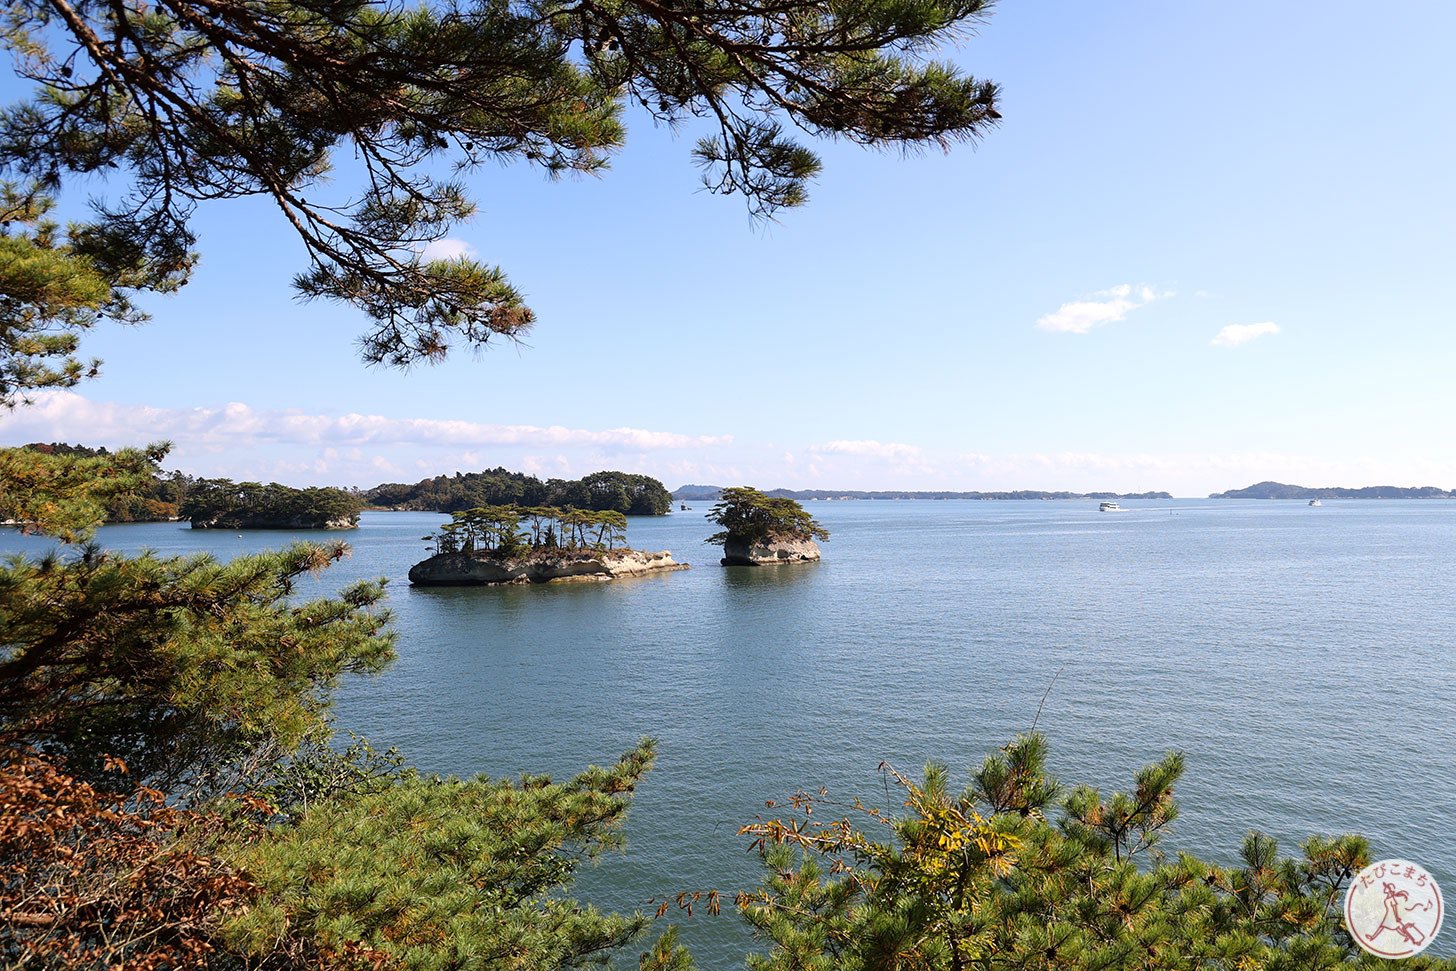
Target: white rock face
468 569
764 554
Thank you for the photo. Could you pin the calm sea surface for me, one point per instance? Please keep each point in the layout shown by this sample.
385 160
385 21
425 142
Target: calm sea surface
1301 657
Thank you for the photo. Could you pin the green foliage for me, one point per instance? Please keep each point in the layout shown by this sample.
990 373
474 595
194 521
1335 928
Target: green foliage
317 771
196 673
54 285
445 873
462 491
514 530
224 504
634 495
67 495
1006 876
180 102
748 516
666 954
157 498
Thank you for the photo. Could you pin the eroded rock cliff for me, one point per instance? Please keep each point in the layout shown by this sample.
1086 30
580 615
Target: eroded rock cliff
737 553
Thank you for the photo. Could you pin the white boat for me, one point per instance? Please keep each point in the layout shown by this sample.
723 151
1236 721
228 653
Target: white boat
1315 502
1109 507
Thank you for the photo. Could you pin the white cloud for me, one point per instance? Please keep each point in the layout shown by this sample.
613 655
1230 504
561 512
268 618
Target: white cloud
1235 334
240 443
62 414
446 249
1103 307
867 447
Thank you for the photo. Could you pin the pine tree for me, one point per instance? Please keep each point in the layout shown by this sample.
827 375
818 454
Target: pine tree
68 495
1011 874
444 873
169 796
198 674
180 102
750 517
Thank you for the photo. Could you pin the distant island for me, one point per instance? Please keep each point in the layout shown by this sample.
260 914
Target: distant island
623 492
1279 490
533 544
707 493
224 504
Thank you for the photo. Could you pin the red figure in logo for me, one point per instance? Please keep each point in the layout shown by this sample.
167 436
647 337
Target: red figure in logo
1392 919
1393 909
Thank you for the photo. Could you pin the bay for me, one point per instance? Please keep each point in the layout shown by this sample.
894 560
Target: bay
1301 658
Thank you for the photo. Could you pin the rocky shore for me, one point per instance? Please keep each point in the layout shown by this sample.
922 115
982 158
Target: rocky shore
564 566
737 553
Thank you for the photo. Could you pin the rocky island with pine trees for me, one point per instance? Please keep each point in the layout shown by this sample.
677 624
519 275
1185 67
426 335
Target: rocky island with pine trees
534 544
764 530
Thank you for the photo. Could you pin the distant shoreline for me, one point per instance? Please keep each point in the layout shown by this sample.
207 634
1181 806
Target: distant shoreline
1261 490
710 494
1280 490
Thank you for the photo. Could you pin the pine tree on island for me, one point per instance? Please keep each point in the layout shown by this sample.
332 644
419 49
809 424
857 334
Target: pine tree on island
533 544
759 529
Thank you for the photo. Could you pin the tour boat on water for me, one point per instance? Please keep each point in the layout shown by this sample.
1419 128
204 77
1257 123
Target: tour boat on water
1109 507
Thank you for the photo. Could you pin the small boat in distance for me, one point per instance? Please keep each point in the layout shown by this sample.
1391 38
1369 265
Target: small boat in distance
1315 502
1109 507
686 508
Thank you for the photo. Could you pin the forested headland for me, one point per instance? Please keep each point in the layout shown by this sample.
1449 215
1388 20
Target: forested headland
623 492
224 504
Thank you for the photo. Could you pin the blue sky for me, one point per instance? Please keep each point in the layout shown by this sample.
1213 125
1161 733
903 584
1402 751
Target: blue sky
1209 244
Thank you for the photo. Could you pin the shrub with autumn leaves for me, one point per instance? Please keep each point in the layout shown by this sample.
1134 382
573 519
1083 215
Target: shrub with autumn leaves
94 879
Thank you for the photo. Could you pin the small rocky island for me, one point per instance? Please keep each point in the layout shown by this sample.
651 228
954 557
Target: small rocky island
534 544
763 530
224 504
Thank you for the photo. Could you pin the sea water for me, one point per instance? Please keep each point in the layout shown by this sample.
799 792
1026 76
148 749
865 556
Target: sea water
1301 658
